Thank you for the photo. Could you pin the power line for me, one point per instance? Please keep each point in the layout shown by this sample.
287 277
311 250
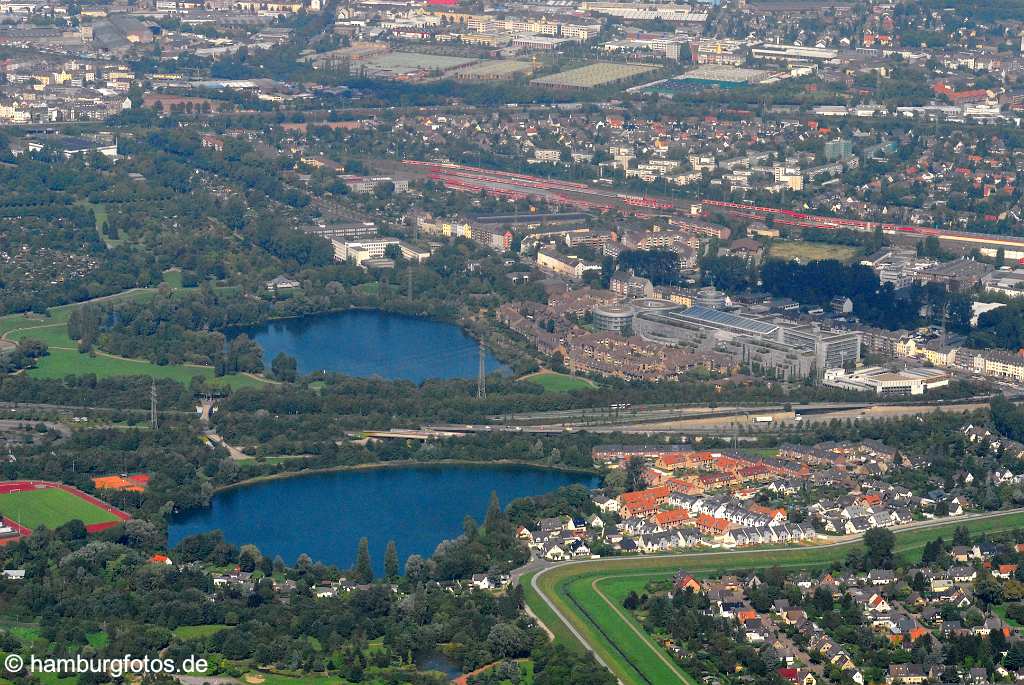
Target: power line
152 404
481 378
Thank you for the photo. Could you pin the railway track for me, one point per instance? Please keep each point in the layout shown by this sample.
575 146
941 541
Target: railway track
521 186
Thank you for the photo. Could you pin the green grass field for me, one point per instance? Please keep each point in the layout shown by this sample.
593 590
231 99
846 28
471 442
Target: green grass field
100 211
808 252
172 277
64 358
50 507
558 382
197 632
590 595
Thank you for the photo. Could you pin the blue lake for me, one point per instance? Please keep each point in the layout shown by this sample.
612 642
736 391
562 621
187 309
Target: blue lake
369 343
324 515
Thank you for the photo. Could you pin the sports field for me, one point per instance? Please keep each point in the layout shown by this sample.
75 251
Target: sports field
558 382
590 594
804 251
51 507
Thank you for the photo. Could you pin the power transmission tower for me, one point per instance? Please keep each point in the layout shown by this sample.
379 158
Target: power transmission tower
152 404
481 376
945 315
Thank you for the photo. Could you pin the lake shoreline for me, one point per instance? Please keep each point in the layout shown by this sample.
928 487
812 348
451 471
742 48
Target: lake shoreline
401 463
389 343
417 505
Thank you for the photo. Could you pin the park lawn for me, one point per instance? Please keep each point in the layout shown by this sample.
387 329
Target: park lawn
60 363
198 632
26 633
278 679
64 359
100 211
552 381
807 251
50 507
60 314
55 679
172 277
98 639
1000 611
576 590
55 335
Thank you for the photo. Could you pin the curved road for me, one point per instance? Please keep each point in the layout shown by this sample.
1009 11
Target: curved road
839 542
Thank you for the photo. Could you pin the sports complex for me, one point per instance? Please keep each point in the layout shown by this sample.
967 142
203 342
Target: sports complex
28 504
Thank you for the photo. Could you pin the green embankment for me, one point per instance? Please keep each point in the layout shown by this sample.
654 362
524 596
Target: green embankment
590 595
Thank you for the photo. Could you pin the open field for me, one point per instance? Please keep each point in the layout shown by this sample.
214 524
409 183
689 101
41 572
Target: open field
558 382
197 632
64 358
808 252
590 594
51 507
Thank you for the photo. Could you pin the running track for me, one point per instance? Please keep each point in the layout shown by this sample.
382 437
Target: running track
27 485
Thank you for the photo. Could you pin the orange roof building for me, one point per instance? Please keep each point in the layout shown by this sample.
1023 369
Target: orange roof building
673 518
134 483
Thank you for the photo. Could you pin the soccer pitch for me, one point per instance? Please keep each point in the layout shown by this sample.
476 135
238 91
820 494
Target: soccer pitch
50 507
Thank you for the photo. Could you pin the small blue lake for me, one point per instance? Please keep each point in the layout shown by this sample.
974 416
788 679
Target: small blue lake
367 343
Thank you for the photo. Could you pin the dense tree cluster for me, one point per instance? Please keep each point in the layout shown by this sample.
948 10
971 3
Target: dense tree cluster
88 584
818 282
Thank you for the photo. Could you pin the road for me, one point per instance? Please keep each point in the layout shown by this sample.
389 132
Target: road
543 567
722 421
7 425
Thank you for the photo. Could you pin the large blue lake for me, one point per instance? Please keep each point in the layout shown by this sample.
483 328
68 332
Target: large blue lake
324 515
368 343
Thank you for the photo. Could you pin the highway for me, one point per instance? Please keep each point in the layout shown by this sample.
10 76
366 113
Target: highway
726 421
846 540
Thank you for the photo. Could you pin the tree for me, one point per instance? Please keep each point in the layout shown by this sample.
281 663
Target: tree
362 572
932 551
879 544
1015 656
636 478
506 640
284 368
416 569
961 536
391 562
248 558
988 589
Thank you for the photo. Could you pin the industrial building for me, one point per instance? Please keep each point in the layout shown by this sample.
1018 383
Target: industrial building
883 381
594 75
771 345
362 250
